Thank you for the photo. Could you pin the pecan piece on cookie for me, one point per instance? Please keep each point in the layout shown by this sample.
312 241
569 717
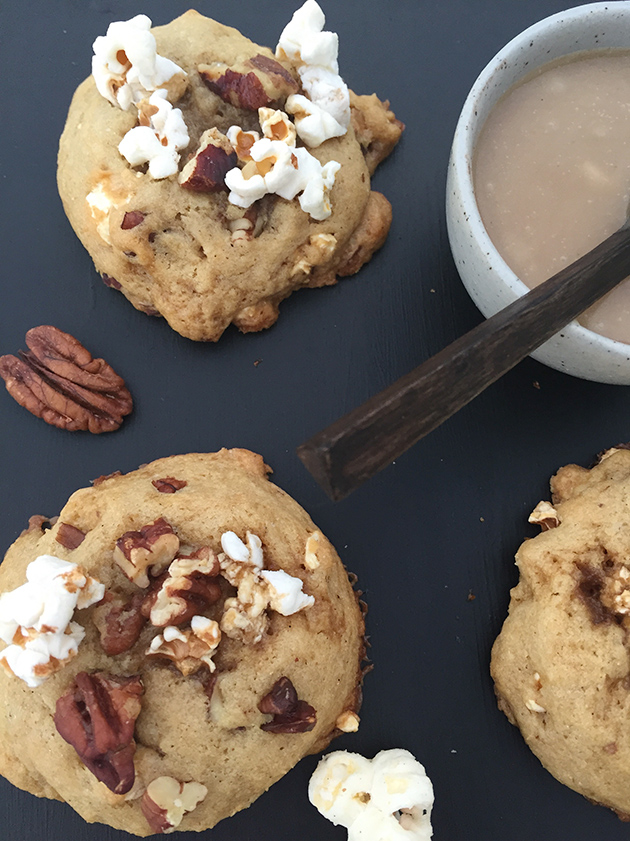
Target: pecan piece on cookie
189 588
205 171
167 800
152 548
253 84
58 380
97 716
290 715
169 485
69 536
120 623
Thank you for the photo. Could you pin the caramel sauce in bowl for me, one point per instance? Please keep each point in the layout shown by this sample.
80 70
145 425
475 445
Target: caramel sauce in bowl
489 280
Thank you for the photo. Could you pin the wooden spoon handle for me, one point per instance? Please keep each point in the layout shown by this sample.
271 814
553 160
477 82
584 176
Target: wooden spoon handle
370 437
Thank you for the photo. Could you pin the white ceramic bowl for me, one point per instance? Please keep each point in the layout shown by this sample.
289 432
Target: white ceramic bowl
489 281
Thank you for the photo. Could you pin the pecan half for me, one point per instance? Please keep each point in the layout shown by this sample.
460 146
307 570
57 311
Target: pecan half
252 84
153 547
58 380
119 624
69 536
290 715
97 717
169 485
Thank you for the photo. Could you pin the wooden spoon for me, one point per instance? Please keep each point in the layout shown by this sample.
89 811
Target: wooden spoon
361 443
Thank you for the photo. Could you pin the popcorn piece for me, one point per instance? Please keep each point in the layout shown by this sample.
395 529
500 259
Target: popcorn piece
35 618
302 39
286 171
101 201
244 617
242 141
159 137
285 592
127 68
276 125
328 91
388 798
312 123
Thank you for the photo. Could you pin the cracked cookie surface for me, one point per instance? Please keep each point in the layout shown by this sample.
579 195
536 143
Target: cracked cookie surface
200 690
183 254
561 664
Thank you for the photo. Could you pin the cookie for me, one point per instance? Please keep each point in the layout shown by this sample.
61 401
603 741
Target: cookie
560 663
225 177
174 642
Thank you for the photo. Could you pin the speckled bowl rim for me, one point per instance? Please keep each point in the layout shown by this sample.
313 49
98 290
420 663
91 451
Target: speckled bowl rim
468 129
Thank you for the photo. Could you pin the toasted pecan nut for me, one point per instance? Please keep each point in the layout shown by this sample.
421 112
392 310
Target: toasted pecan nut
153 547
169 485
119 624
97 716
253 84
58 380
132 219
205 172
189 589
289 714
167 800
281 699
69 536
302 719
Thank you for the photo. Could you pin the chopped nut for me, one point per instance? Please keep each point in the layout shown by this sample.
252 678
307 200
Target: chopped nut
281 699
167 800
188 589
69 536
300 720
169 485
348 722
132 219
152 548
100 479
251 85
97 717
545 515
110 281
205 171
246 623
534 707
290 715
119 624
190 649
310 554
58 380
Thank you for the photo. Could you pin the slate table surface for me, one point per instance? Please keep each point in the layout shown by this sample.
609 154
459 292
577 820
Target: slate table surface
441 523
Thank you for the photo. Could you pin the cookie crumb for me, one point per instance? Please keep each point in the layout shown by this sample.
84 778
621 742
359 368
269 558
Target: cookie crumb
257 363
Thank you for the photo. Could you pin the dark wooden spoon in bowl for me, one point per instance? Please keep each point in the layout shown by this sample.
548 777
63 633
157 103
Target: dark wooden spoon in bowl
358 445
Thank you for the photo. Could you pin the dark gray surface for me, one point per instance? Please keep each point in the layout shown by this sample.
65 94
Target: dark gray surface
446 519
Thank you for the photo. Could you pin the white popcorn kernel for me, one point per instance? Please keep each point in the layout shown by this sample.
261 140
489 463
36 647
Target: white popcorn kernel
286 596
242 141
312 123
315 200
286 171
159 143
302 39
235 549
276 125
389 797
35 618
329 91
126 66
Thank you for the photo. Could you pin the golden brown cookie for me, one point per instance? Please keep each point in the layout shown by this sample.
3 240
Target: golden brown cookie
217 640
185 251
561 664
